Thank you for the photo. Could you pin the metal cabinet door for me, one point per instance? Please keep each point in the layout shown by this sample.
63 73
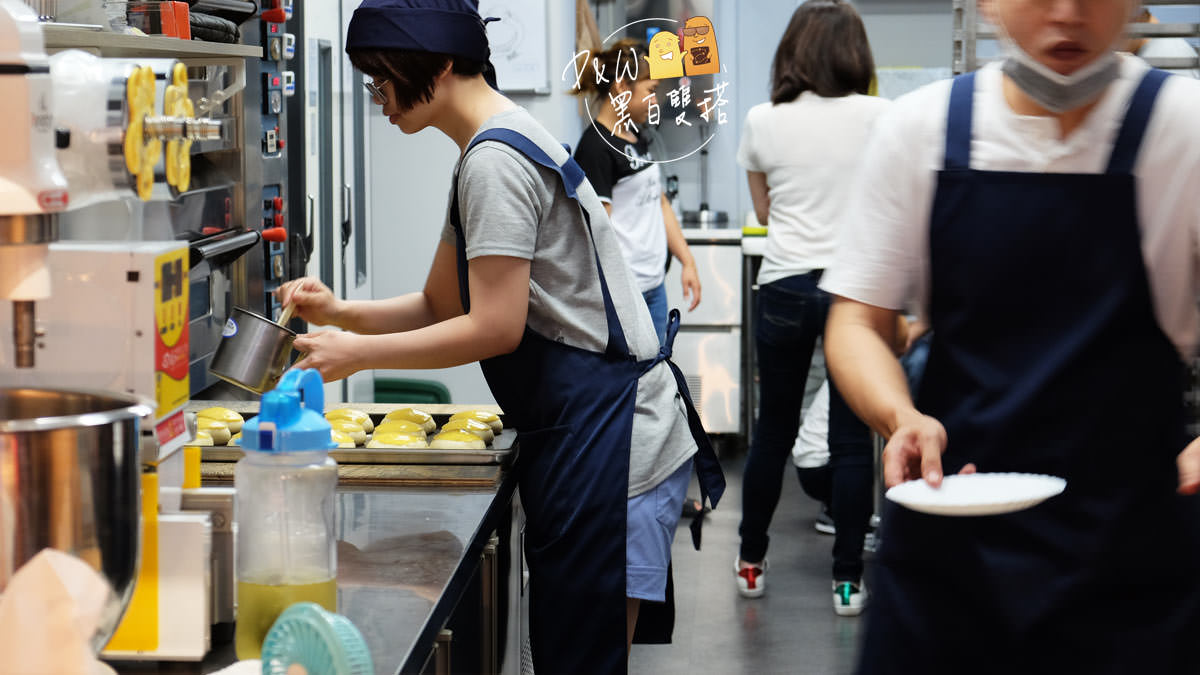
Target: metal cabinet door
711 361
720 269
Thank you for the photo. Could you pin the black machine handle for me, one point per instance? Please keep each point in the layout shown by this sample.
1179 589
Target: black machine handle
223 247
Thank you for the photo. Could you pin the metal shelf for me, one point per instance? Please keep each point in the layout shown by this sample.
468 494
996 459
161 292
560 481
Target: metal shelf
107 43
969 30
1152 30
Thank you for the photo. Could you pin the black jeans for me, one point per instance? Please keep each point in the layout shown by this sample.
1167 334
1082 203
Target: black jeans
791 314
846 484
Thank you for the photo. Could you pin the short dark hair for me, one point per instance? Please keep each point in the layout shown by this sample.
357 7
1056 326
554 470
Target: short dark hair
411 72
824 50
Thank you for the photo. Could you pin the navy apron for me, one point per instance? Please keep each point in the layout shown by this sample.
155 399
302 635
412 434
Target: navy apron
573 410
1046 358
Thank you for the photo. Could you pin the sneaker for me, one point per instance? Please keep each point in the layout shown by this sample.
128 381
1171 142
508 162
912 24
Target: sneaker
824 522
751 578
849 598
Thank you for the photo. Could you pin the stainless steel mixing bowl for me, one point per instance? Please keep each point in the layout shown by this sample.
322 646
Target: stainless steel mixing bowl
70 479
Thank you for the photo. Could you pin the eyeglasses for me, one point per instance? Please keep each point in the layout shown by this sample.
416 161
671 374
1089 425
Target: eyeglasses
696 30
376 90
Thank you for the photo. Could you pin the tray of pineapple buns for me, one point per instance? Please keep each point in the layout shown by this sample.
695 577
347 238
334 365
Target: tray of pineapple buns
374 433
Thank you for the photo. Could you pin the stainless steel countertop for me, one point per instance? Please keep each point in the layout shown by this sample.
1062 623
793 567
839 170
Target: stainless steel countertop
405 556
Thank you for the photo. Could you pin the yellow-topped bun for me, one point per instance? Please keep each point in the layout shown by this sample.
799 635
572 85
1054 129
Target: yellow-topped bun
392 439
229 417
488 418
219 431
412 415
202 438
236 439
359 417
457 440
355 431
400 427
343 439
474 426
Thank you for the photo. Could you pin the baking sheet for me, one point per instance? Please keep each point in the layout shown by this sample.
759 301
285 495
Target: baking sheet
499 451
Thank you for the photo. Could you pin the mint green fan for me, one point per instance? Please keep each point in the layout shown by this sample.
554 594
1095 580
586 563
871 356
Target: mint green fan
321 642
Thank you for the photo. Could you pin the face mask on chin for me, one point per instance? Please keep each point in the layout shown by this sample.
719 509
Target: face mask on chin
1053 91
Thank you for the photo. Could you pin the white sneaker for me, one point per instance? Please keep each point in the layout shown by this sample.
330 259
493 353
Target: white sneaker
751 578
849 598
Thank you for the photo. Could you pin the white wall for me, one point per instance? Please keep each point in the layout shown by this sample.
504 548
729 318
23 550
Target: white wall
902 33
410 188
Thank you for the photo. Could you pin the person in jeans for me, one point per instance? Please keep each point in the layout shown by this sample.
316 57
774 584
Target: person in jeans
800 152
614 153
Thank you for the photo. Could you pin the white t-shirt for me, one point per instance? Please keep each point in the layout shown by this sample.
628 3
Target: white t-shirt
811 449
810 149
625 178
883 253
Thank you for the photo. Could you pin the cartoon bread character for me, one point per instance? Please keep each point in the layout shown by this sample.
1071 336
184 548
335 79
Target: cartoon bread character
665 57
700 47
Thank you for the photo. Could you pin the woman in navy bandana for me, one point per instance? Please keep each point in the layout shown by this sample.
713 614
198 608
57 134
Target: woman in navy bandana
529 281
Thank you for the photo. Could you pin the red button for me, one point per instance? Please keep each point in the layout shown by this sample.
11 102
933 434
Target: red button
275 81
274 27
277 15
277 203
281 144
275 234
278 220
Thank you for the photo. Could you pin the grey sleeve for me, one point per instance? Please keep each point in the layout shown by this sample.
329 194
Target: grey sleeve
500 202
448 230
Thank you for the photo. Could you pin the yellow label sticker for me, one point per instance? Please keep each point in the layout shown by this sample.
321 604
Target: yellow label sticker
171 330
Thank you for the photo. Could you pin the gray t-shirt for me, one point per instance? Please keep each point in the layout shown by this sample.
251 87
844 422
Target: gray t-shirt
513 207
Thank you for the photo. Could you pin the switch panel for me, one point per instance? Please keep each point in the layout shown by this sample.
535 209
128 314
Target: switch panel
270 142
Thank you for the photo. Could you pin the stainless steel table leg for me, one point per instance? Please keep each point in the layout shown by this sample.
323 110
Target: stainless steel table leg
487 584
442 651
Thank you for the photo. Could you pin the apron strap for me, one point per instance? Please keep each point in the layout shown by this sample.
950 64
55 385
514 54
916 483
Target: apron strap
572 177
1133 130
958 123
708 467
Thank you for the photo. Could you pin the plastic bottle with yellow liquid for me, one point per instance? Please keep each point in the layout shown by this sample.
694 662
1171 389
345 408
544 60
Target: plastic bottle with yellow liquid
286 550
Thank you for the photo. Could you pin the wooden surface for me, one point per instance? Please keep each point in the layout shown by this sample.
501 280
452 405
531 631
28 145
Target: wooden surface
390 475
372 409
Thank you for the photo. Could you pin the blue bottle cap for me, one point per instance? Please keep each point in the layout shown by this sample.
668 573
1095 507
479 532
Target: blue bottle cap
291 417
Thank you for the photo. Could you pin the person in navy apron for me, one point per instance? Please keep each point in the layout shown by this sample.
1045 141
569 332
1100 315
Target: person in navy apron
1047 223
528 280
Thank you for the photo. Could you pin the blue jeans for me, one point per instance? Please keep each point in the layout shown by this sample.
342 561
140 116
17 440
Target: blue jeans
791 314
656 300
845 485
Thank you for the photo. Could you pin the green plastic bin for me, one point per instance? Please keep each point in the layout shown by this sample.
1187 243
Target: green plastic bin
396 390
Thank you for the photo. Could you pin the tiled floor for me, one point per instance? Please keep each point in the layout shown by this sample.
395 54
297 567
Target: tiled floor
792 629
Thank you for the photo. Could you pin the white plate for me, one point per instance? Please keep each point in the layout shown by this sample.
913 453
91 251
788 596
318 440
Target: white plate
977 494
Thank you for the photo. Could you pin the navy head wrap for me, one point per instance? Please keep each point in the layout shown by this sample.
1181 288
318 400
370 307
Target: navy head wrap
441 26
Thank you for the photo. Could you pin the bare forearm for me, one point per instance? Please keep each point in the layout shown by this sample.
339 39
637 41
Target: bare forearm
454 342
676 243
866 370
392 315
